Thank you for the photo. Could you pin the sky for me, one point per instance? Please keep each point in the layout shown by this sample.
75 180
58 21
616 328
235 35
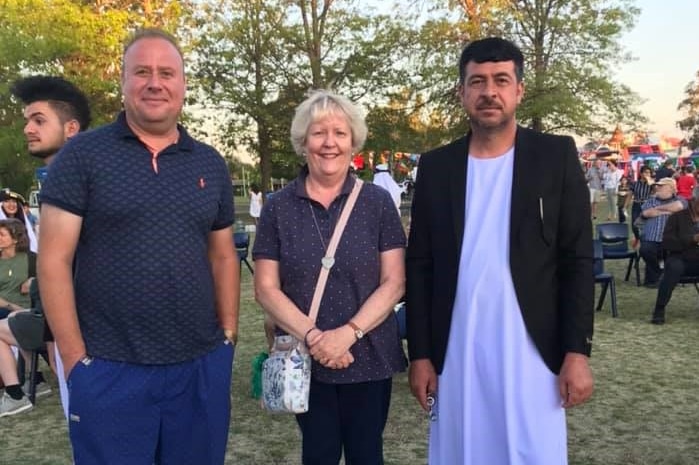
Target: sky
665 41
665 44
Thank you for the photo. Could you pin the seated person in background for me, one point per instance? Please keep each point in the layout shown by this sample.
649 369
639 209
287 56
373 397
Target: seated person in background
681 244
17 267
656 211
23 329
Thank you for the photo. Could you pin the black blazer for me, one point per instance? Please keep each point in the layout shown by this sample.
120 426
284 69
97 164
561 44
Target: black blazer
550 247
678 236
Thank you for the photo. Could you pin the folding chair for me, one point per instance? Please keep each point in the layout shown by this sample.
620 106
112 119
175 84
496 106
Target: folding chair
33 370
242 244
688 279
604 278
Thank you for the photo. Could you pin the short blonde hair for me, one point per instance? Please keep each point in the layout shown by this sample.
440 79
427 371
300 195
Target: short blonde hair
321 104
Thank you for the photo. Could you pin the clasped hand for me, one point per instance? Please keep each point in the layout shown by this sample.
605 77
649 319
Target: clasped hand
331 348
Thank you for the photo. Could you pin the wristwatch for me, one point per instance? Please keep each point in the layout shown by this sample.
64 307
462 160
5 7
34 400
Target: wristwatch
358 333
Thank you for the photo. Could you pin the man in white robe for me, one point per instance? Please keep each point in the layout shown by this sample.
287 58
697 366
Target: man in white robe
383 178
499 279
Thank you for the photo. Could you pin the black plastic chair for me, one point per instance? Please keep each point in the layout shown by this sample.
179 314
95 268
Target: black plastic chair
242 244
615 246
604 278
690 279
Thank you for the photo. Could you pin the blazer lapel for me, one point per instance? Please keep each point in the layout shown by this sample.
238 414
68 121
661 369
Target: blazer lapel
524 178
457 187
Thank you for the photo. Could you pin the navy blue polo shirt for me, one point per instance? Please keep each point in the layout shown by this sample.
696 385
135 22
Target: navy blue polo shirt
143 284
287 233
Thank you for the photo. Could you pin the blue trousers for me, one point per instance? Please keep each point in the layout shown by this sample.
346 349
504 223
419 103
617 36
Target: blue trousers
176 414
345 417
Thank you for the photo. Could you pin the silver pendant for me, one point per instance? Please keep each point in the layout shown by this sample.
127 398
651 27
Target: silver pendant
327 262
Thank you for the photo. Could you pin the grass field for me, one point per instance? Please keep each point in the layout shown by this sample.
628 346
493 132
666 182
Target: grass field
645 409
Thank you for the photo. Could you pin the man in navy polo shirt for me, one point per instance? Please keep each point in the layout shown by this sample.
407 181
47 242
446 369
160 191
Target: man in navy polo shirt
140 280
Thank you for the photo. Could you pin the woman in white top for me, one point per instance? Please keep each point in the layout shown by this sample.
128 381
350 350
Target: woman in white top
255 202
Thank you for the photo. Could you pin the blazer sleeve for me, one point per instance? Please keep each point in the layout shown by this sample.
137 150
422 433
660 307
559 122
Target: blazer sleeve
677 237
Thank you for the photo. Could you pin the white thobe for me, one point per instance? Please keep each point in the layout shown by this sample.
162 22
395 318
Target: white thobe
385 180
497 401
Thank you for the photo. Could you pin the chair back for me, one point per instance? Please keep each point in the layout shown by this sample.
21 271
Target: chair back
614 237
242 243
598 260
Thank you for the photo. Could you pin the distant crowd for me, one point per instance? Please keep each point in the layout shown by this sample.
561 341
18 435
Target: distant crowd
660 201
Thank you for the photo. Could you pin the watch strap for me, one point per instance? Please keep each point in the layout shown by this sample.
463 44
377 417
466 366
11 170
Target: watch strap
358 332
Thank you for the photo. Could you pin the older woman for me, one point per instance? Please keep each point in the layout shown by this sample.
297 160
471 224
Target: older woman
354 341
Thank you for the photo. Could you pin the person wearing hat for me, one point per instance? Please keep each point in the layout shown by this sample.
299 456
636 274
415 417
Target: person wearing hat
681 246
12 207
655 211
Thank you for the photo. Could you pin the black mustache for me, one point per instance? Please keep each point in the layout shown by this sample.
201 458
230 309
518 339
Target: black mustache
488 104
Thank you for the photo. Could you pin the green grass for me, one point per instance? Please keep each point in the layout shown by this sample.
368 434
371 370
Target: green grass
645 409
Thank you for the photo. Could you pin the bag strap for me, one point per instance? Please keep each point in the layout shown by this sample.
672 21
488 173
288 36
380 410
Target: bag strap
332 246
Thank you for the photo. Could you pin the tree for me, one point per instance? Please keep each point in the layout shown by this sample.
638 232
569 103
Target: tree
571 50
240 54
259 58
690 105
80 40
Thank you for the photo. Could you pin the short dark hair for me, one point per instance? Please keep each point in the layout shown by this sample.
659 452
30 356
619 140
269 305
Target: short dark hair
491 49
63 97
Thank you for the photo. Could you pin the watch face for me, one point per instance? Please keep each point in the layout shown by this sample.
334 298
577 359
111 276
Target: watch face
359 333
